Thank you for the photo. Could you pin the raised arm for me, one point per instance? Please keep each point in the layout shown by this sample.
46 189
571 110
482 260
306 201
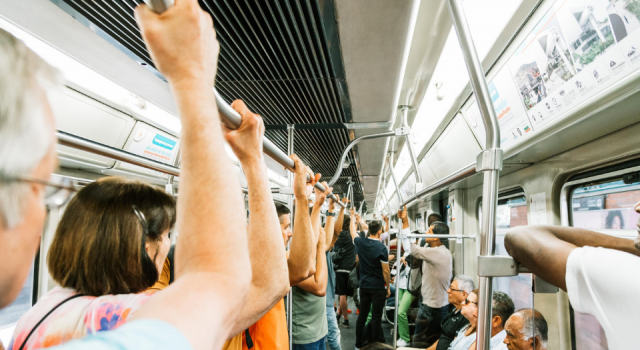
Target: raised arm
544 250
302 255
317 284
386 223
329 226
340 218
203 302
361 222
352 224
270 281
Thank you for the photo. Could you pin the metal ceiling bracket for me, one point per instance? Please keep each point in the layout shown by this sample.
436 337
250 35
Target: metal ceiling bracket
402 131
490 159
497 266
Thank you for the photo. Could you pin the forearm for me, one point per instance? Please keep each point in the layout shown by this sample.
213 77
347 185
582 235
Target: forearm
206 180
328 229
405 223
302 256
339 222
317 284
364 225
387 277
315 219
270 280
352 228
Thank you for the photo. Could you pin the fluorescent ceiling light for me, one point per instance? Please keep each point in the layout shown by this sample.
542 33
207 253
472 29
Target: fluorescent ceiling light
487 19
82 76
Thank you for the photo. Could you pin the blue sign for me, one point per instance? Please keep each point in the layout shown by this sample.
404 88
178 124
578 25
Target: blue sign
164 142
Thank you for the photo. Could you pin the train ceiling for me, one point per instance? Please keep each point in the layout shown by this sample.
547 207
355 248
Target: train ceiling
282 57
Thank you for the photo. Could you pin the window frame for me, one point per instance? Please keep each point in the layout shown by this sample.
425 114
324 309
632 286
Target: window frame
611 173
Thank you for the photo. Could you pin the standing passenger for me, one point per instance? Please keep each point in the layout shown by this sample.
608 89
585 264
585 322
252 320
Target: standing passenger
270 331
589 266
308 313
437 265
333 332
374 274
345 259
200 309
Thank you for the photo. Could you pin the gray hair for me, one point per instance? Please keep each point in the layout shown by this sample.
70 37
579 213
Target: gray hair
465 283
502 306
25 135
534 325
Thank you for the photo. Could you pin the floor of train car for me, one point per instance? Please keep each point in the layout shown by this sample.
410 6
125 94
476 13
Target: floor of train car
348 335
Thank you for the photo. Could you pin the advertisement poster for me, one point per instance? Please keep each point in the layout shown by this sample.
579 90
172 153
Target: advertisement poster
512 117
152 145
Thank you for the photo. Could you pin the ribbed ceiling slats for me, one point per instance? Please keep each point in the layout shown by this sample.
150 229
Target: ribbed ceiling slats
274 56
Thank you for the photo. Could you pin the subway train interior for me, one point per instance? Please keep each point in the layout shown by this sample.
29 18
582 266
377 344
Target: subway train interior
379 96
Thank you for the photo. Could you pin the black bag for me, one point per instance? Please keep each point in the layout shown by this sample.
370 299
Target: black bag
354 278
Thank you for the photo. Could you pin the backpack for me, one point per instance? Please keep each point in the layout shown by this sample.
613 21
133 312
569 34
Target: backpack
414 282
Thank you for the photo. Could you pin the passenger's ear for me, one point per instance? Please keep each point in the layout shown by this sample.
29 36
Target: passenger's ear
496 321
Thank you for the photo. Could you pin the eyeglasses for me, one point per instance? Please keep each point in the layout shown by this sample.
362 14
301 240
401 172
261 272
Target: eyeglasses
456 290
467 302
57 191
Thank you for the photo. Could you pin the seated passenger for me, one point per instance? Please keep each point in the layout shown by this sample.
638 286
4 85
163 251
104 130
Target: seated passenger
589 266
458 292
111 243
200 309
526 330
501 308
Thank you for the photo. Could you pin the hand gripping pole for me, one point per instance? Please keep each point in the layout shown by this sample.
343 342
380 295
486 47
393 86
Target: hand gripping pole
232 119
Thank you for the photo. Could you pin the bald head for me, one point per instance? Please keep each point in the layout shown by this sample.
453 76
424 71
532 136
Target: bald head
526 329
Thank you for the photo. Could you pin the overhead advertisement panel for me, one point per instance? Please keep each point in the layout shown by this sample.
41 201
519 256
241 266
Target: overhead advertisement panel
576 50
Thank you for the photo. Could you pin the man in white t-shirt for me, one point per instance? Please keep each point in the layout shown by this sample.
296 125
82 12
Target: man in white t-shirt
589 266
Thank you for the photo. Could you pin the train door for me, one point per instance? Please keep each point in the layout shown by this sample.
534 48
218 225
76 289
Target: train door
601 201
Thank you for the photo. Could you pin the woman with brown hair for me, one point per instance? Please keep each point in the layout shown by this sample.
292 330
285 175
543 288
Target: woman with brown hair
109 247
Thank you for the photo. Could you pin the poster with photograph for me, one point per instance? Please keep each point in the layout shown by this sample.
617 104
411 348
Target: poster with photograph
625 22
527 78
586 27
511 115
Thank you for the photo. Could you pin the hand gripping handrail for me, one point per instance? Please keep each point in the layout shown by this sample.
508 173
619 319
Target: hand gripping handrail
232 119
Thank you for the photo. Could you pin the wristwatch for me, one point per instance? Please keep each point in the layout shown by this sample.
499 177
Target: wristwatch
331 214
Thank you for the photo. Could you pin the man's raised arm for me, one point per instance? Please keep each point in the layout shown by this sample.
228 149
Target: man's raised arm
203 302
340 217
317 284
302 255
352 224
544 250
329 226
270 281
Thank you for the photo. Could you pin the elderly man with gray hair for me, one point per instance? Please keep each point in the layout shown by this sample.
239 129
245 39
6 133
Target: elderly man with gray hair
458 292
526 330
201 308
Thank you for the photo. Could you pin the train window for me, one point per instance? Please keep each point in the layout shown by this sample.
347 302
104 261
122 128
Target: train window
10 315
606 207
511 212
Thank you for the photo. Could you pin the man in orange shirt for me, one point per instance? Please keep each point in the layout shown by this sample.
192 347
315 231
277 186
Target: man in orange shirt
270 332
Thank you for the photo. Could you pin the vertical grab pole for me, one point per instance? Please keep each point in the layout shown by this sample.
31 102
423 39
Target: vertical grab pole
290 131
489 161
397 302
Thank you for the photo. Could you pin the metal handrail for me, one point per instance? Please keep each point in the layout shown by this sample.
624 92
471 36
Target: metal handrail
232 119
336 175
438 186
491 171
87 145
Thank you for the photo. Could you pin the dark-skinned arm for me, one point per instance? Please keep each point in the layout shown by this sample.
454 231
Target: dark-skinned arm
544 250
